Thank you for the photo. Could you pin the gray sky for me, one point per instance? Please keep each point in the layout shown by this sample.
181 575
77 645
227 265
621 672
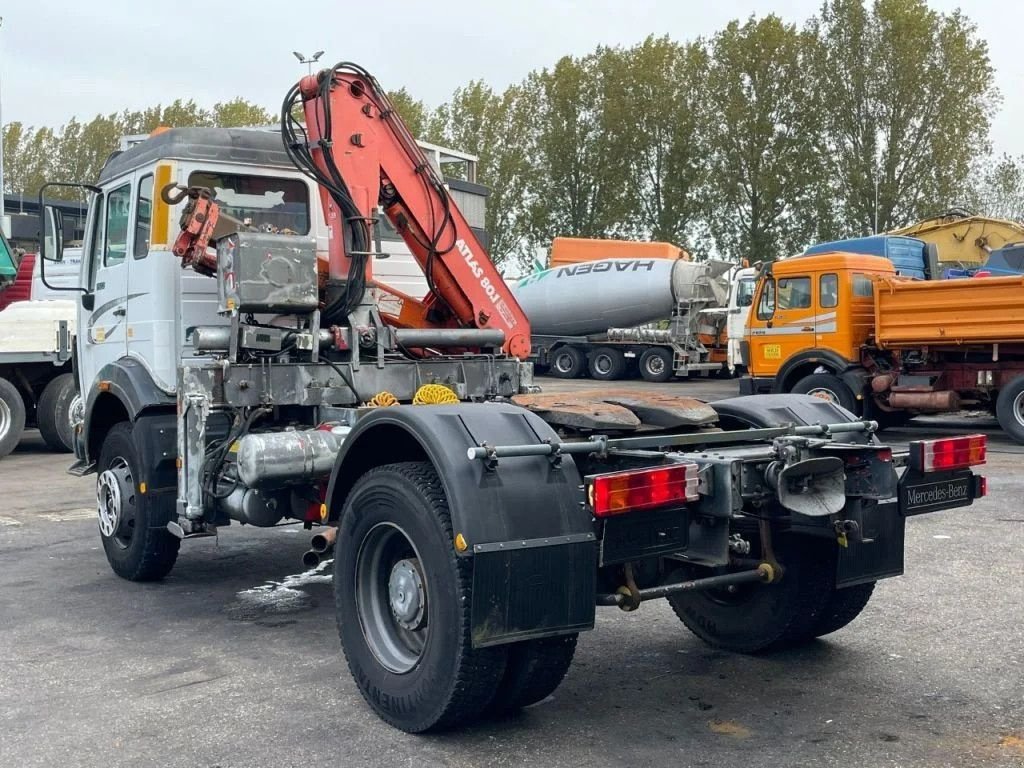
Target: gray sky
64 58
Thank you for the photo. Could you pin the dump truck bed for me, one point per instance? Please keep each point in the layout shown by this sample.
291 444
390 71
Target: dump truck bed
949 312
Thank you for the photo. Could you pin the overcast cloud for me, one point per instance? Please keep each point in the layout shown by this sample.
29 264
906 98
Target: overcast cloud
64 58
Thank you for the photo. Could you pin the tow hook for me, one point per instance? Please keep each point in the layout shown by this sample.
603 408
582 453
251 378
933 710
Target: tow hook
847 530
629 599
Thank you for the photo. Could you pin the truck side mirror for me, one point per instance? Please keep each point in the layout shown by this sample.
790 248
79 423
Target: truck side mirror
51 241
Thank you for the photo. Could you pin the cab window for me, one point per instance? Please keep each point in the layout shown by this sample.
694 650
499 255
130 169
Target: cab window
745 292
862 286
794 292
116 240
766 307
263 202
143 217
828 291
94 249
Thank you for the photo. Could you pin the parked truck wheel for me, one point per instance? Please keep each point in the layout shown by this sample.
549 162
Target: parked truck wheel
12 417
607 364
1010 409
403 600
843 606
568 363
137 544
53 413
759 617
828 387
535 669
656 364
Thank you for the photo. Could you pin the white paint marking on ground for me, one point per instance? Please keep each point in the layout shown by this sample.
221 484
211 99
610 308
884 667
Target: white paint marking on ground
9 521
69 515
941 536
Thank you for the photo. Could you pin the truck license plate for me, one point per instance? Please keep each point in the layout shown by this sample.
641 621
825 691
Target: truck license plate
922 494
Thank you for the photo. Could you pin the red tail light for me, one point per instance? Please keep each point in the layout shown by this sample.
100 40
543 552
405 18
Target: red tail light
619 492
949 453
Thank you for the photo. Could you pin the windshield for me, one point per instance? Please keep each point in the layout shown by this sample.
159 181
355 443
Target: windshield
263 202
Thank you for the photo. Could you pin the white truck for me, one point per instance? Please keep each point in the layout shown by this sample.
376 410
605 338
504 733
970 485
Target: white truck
37 385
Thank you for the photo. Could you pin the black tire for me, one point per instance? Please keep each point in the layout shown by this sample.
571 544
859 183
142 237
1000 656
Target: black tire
398 514
764 617
606 364
567 363
829 387
53 413
843 606
535 669
12 417
138 545
1010 409
656 364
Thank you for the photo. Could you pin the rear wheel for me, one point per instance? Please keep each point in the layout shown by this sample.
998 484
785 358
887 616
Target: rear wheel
656 364
607 364
1010 409
403 601
53 413
567 363
535 669
132 525
828 387
12 417
843 606
748 618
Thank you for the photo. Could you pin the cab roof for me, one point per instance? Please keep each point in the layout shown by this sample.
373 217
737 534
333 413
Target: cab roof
248 146
832 260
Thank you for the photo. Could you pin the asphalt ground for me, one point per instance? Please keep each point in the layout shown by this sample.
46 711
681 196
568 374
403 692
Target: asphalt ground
233 660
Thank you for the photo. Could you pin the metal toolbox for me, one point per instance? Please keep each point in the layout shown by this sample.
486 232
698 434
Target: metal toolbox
263 272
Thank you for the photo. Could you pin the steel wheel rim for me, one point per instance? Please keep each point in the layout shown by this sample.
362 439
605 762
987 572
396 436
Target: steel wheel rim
115 502
6 419
76 411
563 362
395 624
1018 408
655 365
823 393
603 364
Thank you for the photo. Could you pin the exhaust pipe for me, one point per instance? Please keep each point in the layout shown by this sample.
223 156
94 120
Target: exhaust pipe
311 559
323 542
944 400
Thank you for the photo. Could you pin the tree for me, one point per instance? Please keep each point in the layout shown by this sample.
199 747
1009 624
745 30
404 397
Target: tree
659 89
581 184
414 113
497 129
1000 192
763 139
909 98
239 113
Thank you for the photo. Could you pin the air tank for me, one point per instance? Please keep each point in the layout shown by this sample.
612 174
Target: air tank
590 298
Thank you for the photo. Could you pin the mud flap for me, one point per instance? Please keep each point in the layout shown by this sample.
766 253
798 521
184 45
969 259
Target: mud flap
529 589
879 552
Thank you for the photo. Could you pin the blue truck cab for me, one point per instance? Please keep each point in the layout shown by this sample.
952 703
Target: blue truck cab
911 257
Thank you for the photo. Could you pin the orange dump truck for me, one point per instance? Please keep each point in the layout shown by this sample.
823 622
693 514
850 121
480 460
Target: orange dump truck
846 328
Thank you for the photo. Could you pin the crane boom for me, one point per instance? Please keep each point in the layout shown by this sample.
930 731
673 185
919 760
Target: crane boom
362 155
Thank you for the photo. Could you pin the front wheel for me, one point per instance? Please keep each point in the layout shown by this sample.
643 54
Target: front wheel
132 527
656 364
829 387
1010 409
403 598
12 417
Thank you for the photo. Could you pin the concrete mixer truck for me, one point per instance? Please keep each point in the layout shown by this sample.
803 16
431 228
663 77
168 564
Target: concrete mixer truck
607 318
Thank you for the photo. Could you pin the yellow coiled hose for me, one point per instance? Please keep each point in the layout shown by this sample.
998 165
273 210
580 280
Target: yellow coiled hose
434 394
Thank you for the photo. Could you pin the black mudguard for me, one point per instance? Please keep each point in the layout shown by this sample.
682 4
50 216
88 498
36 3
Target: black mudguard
532 543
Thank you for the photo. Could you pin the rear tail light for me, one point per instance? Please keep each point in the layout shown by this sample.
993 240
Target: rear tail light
948 454
982 490
619 492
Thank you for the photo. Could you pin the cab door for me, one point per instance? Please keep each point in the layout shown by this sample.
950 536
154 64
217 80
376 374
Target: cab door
102 324
784 322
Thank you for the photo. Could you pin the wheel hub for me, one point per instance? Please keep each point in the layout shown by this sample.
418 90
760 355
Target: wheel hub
603 364
76 411
655 364
5 418
406 595
1018 409
115 499
563 363
824 394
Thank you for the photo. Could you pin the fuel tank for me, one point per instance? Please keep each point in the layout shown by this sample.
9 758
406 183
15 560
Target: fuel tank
591 297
